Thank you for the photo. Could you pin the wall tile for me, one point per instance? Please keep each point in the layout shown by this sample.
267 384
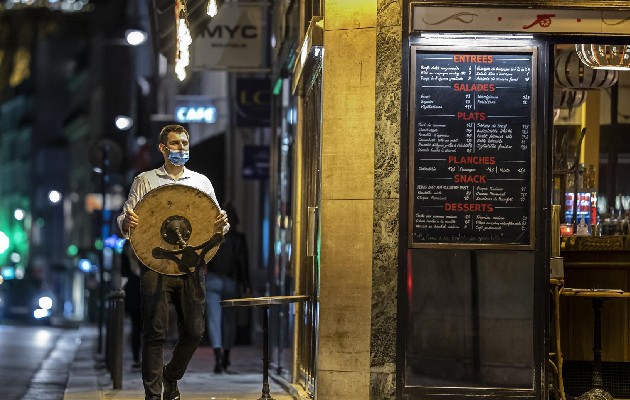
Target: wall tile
348 108
350 14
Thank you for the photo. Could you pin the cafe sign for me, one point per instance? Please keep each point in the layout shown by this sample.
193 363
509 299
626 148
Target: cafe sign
195 109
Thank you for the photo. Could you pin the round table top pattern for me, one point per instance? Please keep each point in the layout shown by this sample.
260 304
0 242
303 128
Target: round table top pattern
168 201
264 301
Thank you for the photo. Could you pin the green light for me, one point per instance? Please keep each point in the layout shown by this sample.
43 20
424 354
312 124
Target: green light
4 242
277 87
19 235
291 62
39 222
72 250
98 244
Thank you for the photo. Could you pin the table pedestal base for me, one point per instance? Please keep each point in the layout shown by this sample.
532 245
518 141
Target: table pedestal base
264 303
266 393
595 394
265 389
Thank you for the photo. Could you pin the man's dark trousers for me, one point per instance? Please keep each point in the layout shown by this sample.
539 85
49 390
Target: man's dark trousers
157 291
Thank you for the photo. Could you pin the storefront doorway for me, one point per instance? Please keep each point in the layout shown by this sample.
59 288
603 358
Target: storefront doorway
478 249
476 226
308 269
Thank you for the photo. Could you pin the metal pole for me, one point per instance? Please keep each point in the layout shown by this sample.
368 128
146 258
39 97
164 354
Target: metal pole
109 338
104 178
118 302
597 381
265 390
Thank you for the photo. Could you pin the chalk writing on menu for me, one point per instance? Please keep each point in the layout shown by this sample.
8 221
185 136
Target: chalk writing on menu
472 148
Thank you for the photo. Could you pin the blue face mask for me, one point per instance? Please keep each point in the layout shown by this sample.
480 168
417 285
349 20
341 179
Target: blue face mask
178 158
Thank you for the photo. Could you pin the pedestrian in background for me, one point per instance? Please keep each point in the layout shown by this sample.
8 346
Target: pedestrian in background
130 268
227 278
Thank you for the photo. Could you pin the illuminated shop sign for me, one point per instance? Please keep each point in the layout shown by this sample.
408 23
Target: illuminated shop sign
199 114
233 40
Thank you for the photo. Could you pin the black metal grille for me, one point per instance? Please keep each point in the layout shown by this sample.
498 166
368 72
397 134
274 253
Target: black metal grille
577 378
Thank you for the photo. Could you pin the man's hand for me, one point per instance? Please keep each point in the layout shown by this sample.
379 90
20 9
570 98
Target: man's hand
130 221
221 223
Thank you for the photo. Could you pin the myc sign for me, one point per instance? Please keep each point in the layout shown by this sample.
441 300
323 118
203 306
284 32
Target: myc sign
231 32
232 40
195 109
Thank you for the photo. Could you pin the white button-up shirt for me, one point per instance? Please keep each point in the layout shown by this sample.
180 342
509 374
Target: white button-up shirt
149 180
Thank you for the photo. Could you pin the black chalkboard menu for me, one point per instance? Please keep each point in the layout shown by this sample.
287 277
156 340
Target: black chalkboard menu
472 148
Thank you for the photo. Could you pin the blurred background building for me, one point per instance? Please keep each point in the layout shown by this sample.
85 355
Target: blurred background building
81 105
86 86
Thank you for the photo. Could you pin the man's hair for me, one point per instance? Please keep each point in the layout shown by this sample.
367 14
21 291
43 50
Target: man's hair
172 128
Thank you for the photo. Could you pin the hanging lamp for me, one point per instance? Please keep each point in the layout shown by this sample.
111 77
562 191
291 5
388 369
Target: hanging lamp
212 9
604 56
184 40
570 72
568 98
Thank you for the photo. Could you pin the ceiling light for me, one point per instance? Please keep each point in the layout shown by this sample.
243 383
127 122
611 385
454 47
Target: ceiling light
212 8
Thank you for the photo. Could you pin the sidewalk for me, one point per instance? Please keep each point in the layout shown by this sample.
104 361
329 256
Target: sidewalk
89 380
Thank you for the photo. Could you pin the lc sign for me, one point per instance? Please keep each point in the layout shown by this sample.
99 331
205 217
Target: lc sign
232 40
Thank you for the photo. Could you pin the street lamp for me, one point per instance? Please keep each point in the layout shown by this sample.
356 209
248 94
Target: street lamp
15 257
19 214
54 196
135 37
123 122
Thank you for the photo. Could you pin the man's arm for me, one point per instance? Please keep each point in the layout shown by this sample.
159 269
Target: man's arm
128 219
221 222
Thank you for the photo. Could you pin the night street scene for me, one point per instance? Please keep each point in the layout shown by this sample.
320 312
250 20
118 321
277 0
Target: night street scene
85 88
314 199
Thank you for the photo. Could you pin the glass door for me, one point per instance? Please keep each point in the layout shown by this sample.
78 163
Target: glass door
308 268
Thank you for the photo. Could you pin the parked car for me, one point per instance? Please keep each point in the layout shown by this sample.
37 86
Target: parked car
25 300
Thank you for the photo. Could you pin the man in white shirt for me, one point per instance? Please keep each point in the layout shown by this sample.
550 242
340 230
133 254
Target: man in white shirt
159 289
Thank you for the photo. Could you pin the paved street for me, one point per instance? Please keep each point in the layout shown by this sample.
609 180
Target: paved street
25 355
88 380
48 363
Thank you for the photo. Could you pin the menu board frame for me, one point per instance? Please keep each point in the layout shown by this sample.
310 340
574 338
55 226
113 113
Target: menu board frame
528 241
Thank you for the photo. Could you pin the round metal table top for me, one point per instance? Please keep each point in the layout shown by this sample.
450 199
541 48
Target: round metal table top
264 301
594 293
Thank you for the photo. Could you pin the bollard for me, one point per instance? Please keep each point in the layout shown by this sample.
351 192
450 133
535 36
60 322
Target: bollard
108 332
118 302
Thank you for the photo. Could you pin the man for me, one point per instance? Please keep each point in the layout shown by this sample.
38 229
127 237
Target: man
158 289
